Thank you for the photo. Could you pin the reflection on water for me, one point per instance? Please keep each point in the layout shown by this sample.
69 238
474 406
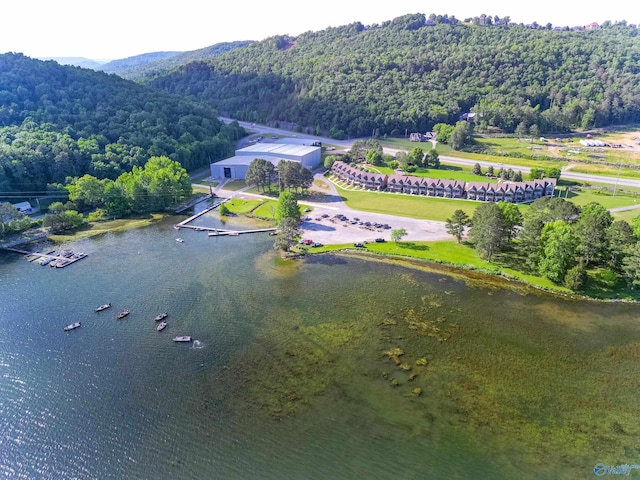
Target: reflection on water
331 367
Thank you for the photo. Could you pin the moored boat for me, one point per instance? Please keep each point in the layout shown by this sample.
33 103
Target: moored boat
103 307
162 316
123 314
161 326
179 240
183 338
72 326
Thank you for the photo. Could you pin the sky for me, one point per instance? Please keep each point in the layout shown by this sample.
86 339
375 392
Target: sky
113 29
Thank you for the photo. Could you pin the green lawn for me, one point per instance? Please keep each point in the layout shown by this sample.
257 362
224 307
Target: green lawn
450 252
242 207
603 197
447 172
266 210
606 170
234 185
626 215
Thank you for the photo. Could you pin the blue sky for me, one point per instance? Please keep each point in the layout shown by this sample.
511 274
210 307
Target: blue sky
112 29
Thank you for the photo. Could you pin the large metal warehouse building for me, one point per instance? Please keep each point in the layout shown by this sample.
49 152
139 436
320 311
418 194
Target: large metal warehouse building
237 166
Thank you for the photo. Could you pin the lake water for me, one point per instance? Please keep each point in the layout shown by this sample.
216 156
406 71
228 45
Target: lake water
331 367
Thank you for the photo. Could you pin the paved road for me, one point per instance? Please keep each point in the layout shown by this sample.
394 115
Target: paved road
566 174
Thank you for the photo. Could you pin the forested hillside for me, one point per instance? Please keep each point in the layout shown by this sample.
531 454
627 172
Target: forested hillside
60 121
137 61
413 72
160 66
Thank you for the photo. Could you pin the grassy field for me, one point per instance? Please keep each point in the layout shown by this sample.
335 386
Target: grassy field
414 206
242 207
606 170
234 185
450 252
626 215
447 172
603 197
266 210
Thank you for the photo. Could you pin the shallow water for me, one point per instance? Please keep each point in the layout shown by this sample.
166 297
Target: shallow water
290 378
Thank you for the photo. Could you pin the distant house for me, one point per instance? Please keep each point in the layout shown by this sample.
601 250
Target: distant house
23 207
469 117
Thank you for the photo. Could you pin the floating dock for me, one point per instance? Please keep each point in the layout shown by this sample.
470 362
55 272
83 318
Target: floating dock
53 259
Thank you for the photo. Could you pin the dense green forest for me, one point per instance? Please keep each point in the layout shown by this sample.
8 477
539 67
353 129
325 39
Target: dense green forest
60 121
413 72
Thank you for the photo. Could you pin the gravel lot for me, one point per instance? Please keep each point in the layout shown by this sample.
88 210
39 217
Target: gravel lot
330 230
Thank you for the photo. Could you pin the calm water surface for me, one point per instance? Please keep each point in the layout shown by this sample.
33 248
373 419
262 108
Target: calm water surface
287 377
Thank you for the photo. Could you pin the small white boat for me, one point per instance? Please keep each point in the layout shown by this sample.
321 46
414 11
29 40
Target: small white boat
123 314
184 338
72 326
161 326
103 307
179 240
162 316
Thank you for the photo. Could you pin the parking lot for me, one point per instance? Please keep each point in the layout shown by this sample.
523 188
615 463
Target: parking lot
327 227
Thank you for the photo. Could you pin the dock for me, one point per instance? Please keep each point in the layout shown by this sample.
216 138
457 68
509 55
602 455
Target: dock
185 223
61 260
217 232
214 231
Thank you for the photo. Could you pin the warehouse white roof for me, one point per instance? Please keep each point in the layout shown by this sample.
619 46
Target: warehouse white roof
278 149
247 159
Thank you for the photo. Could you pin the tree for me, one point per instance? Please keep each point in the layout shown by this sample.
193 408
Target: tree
59 219
591 230
619 237
374 157
521 129
488 230
432 158
416 156
631 265
635 226
398 234
329 161
536 173
457 223
261 173
552 172
461 135
360 148
477 169
11 219
87 191
512 219
116 203
287 207
490 171
558 245
223 209
576 277
443 132
294 175
517 177
287 234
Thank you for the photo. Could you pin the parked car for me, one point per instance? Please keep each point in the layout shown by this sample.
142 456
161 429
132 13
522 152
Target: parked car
317 244
380 240
358 245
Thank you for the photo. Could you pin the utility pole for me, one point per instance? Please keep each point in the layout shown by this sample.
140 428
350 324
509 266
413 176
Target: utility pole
617 178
